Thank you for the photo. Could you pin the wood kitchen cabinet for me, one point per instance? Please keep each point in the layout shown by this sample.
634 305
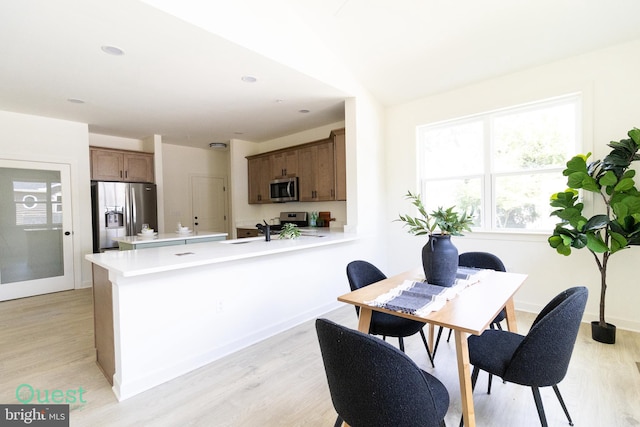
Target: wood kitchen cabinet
340 153
119 165
259 178
319 165
317 172
284 164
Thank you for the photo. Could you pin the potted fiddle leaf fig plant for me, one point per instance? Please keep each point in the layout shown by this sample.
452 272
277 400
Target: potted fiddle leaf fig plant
439 255
612 229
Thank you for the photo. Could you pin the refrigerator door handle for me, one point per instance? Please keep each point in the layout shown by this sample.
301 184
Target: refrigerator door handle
134 213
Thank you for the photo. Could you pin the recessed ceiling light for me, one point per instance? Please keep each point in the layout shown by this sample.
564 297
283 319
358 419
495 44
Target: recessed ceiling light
112 50
279 101
217 145
75 100
238 133
248 79
304 111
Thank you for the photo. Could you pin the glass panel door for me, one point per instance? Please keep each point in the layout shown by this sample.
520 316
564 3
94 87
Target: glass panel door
36 254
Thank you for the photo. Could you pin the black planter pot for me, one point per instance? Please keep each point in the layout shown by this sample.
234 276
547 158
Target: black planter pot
440 260
604 334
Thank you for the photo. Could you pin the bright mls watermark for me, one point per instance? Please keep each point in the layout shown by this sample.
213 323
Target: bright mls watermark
41 407
34 415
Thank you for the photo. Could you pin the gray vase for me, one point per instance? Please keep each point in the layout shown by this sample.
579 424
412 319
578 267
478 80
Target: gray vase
440 260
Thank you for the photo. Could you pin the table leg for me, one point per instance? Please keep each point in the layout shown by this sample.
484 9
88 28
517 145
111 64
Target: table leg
464 374
511 316
365 319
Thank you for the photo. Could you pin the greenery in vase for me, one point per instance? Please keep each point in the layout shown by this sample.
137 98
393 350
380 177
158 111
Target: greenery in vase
289 231
445 221
618 225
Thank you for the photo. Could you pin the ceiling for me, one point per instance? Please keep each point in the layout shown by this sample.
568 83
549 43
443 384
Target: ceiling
183 82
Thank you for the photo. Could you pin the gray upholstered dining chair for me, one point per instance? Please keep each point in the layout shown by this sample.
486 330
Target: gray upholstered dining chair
373 384
362 273
538 359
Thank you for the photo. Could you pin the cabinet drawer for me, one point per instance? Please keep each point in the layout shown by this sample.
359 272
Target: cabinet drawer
246 232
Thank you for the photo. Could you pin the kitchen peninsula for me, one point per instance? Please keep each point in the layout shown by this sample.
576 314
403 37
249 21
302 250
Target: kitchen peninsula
162 312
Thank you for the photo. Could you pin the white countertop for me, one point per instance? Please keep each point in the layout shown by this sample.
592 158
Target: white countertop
155 260
164 237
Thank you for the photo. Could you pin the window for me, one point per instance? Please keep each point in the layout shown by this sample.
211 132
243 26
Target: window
504 164
37 203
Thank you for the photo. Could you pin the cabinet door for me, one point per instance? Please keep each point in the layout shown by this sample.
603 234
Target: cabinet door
285 164
259 178
316 172
325 172
307 159
107 165
340 151
138 167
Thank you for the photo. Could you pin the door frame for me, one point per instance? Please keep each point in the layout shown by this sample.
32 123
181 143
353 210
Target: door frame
226 196
69 279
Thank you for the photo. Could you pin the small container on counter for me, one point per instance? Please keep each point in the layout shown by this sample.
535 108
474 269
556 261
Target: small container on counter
313 219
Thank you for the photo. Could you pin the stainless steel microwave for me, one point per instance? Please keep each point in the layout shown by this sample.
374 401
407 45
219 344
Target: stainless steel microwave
284 190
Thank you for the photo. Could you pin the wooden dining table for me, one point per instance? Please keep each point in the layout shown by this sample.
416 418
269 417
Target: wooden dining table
470 312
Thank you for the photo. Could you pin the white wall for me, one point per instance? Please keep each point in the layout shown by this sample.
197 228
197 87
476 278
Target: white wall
40 139
179 165
610 84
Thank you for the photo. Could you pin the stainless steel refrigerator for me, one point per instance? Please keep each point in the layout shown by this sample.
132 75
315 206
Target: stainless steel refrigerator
119 209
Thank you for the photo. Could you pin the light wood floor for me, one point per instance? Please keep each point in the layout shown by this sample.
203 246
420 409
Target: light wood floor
46 342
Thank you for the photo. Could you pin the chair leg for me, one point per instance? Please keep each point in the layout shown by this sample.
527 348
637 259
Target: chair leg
449 336
401 342
338 422
426 346
539 407
474 377
435 347
489 386
564 407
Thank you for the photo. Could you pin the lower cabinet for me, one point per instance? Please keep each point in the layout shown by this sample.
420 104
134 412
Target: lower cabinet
246 232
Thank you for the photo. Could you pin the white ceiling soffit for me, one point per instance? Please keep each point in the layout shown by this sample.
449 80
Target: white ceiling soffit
174 79
183 82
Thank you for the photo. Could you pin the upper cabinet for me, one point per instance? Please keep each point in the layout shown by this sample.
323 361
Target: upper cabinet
320 167
284 164
317 172
120 165
340 153
259 178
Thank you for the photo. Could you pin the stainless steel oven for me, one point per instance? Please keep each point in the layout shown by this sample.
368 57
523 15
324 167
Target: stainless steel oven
284 190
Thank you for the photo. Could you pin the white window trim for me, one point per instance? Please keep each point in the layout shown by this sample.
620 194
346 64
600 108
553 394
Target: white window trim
582 145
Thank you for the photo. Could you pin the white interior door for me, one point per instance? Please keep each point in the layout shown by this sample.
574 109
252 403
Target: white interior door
209 203
36 245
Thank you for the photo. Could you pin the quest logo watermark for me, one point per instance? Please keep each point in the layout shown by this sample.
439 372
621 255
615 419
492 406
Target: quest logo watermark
26 393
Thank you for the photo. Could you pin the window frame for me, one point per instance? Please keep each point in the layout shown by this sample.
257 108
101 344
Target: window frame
489 176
